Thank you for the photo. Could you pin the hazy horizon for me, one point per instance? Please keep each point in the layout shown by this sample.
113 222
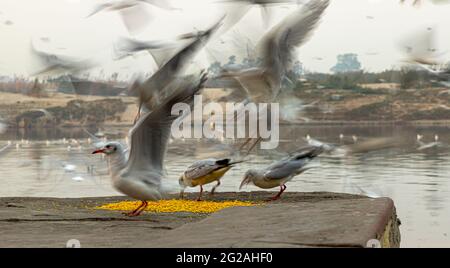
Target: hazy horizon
373 29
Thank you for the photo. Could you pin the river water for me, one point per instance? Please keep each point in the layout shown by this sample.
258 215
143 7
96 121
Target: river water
42 164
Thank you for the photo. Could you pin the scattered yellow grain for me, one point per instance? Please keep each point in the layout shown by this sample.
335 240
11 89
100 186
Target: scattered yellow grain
174 205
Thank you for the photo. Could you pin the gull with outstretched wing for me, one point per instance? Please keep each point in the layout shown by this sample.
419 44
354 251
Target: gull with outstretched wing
141 175
152 89
276 49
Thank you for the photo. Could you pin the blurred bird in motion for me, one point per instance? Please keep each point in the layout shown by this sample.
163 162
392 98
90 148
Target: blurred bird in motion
276 49
50 63
133 13
169 74
265 6
420 50
140 173
125 47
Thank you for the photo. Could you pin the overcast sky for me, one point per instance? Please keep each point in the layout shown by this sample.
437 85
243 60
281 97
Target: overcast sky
374 29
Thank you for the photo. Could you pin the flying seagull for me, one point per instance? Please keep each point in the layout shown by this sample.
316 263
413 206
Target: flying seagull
126 46
139 174
153 87
132 13
244 6
276 49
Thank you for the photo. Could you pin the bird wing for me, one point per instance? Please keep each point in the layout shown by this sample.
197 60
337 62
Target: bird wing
176 64
164 4
99 8
277 45
135 18
257 87
283 169
201 168
293 165
150 135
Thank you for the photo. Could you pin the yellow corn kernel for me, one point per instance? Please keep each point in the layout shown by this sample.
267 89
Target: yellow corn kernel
174 205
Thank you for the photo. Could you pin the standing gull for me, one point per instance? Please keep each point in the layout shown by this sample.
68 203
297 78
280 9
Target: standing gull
203 172
140 173
279 173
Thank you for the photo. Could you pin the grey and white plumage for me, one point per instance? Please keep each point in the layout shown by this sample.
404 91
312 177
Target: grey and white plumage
124 4
139 174
52 62
133 15
280 172
158 49
276 49
154 87
204 172
420 50
246 5
327 147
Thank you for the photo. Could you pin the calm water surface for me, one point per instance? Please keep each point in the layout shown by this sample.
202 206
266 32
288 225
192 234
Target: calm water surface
418 181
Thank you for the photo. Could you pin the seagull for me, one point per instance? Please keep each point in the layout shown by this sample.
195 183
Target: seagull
420 52
132 13
139 174
124 4
245 6
424 146
52 62
203 172
279 173
125 46
316 143
153 87
277 49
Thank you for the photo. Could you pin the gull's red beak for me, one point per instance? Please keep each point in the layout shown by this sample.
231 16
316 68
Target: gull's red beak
98 151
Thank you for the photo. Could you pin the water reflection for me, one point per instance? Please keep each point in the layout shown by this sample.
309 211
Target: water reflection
416 180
